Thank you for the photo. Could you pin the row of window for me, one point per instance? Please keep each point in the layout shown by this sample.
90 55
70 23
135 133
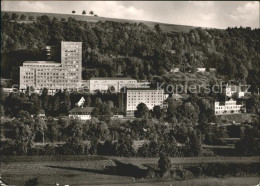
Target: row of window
226 111
230 107
28 77
29 73
56 86
55 80
134 93
38 65
71 62
72 58
68 54
72 50
72 46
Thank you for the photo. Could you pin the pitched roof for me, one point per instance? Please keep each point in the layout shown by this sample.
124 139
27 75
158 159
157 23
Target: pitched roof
81 110
82 97
185 96
42 111
176 96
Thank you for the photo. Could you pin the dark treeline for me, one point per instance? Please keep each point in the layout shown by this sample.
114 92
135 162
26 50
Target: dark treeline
60 104
141 52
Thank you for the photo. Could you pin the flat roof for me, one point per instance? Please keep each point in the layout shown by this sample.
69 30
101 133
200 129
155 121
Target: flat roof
111 78
145 89
71 42
42 62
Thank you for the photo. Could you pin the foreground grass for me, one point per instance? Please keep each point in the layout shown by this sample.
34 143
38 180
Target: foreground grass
89 170
192 160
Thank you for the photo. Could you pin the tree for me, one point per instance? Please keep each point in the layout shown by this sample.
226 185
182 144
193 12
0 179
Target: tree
142 111
164 164
31 18
157 28
32 182
6 17
39 128
98 101
88 101
242 72
52 131
13 105
91 12
35 103
65 102
84 12
45 99
253 104
23 17
194 144
157 112
14 16
73 11
55 104
248 145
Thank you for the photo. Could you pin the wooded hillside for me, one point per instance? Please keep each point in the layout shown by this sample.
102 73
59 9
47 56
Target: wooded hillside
138 50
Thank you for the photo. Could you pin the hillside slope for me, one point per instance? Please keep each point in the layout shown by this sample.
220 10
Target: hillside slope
169 28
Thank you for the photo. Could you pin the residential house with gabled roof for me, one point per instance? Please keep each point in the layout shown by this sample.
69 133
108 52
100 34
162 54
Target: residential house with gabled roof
82 113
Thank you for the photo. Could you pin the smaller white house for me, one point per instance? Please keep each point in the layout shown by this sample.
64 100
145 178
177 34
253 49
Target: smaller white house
117 116
82 113
212 69
175 70
117 113
201 70
7 91
81 102
228 107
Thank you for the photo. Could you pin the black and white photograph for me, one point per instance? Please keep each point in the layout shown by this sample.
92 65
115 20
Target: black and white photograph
134 93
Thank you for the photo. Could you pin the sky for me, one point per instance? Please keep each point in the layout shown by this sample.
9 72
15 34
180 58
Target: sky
215 14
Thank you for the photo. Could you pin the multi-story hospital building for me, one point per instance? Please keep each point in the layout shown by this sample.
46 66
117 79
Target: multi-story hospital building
54 75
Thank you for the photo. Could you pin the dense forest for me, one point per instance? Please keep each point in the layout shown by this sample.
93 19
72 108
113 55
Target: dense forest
137 50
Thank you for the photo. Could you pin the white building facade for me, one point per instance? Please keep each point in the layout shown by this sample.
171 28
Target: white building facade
82 113
150 97
54 75
114 84
228 107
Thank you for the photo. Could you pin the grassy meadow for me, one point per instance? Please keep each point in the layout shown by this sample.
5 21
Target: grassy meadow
91 170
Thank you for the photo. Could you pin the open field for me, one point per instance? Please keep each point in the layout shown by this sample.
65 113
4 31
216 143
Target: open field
191 160
90 170
165 27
